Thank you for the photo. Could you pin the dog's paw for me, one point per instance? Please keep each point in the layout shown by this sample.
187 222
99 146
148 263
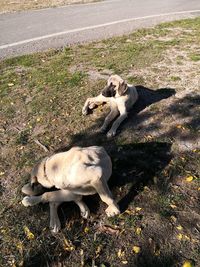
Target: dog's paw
85 214
85 111
112 211
29 201
55 226
92 105
111 134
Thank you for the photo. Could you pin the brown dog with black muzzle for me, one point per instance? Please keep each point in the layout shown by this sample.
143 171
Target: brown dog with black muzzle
75 173
121 97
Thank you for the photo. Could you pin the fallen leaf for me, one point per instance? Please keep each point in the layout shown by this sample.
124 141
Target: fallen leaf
124 262
28 233
120 253
157 252
138 208
86 230
129 212
179 236
136 249
138 230
189 178
187 264
10 84
173 218
20 246
186 237
98 250
173 206
179 227
68 245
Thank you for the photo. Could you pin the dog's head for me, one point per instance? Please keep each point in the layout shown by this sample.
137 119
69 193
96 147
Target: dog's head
39 177
116 87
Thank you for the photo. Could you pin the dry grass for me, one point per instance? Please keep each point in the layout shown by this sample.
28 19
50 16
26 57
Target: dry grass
154 153
19 5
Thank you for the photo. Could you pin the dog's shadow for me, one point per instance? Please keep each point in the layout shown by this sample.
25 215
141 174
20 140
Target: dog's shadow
147 96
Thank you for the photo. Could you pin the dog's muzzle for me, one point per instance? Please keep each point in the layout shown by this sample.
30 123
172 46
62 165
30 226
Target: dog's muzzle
109 91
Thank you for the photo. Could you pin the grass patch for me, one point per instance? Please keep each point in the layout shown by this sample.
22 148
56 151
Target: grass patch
195 57
41 98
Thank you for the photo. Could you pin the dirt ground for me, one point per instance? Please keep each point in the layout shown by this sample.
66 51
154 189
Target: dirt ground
19 5
155 155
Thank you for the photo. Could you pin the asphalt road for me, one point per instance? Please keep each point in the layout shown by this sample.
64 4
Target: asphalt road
37 30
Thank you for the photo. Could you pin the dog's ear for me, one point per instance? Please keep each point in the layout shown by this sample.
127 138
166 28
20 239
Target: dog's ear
123 87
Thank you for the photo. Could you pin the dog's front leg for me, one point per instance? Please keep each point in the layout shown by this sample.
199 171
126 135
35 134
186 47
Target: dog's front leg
90 103
55 224
113 130
113 114
106 196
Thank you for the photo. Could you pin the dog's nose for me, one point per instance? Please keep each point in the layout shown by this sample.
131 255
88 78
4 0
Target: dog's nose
106 91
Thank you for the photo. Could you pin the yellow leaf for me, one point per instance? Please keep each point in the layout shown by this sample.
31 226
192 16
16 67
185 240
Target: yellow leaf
20 246
138 208
10 84
86 230
179 236
186 237
136 249
179 227
187 264
157 252
38 119
173 206
120 253
28 233
2 173
189 178
124 262
68 245
129 212
173 218
98 250
198 189
138 230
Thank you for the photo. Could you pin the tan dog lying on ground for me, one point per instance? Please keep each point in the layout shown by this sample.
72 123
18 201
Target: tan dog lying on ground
121 97
77 172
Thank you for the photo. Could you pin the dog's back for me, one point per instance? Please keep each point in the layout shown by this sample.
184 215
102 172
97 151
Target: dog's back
78 167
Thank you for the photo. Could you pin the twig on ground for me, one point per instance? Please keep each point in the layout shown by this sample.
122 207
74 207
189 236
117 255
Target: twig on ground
41 145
